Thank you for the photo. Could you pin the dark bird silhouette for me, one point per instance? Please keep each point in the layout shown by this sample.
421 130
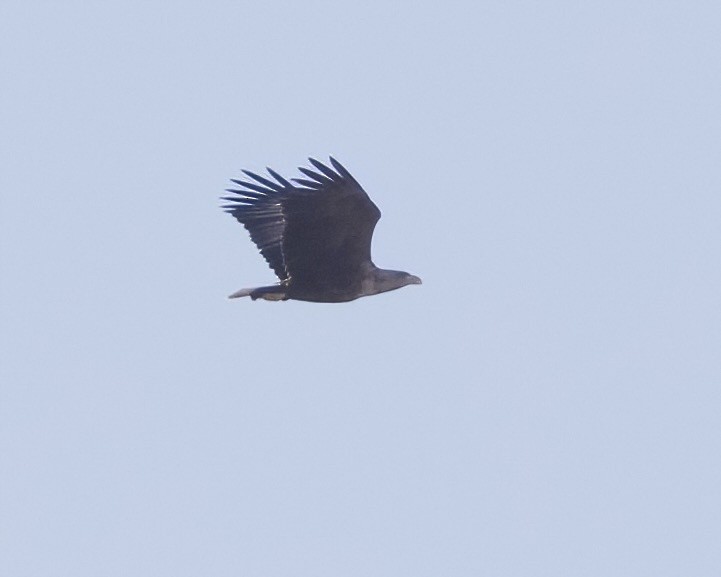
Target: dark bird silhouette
315 235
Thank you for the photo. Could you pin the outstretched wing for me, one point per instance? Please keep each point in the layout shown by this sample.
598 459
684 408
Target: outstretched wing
329 226
318 233
259 207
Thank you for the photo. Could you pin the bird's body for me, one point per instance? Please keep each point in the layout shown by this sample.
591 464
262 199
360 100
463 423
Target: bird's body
315 235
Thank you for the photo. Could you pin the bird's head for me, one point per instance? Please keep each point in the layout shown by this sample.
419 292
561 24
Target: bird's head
388 280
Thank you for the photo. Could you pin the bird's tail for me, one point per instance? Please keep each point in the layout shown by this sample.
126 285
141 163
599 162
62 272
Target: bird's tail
241 293
269 293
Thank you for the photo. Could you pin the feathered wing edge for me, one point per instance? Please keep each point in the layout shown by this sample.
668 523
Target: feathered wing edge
259 207
325 176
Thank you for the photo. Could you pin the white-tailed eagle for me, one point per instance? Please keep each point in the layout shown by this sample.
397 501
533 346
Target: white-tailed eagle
315 234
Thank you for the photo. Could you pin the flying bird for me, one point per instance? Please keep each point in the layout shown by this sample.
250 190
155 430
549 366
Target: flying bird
315 234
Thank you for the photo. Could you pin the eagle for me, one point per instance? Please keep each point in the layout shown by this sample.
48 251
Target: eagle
315 233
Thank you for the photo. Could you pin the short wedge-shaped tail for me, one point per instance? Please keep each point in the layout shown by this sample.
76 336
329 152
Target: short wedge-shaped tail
269 293
241 293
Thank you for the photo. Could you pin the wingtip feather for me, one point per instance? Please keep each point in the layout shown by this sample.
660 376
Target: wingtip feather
342 170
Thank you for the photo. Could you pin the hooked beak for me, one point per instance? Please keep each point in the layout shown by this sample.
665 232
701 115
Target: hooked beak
415 280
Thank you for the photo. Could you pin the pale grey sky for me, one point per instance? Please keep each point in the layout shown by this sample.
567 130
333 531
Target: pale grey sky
547 403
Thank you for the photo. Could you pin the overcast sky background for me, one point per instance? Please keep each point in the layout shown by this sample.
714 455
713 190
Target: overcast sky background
547 403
